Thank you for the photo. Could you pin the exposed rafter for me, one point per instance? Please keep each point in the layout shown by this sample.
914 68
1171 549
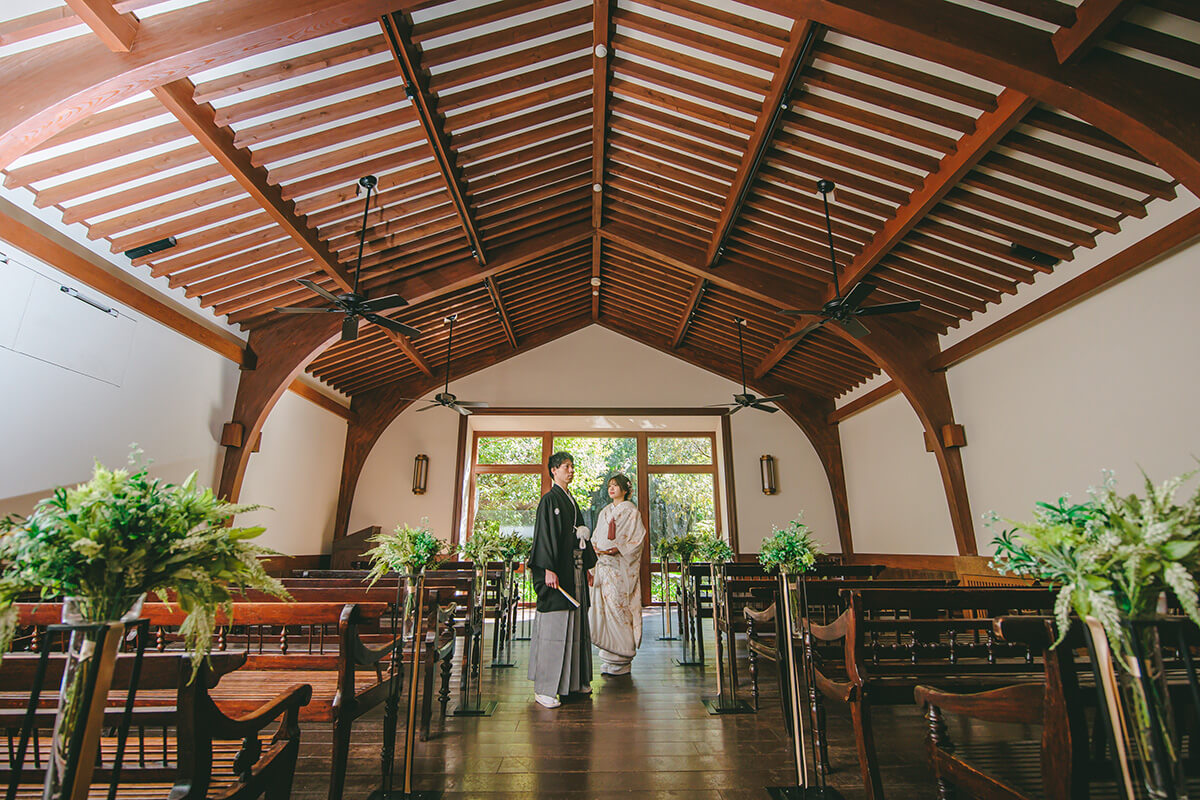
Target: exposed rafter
406 346
689 312
802 42
1011 106
780 351
498 303
114 29
602 38
1093 19
397 31
218 141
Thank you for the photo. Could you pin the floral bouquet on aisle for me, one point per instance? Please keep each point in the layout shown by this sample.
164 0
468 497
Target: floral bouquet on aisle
792 549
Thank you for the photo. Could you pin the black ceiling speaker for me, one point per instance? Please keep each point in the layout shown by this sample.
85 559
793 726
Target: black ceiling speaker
844 311
443 398
745 399
150 249
353 304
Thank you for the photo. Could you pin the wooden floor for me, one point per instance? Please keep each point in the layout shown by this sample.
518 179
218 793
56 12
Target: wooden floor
638 736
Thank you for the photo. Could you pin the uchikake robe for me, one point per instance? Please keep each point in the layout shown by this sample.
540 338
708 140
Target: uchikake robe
615 614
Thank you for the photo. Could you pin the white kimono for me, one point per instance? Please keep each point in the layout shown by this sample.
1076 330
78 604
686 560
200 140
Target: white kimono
615 615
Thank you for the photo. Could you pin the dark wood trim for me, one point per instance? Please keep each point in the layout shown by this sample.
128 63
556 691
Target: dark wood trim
498 302
321 399
409 349
689 311
1093 20
905 561
570 411
282 566
460 479
602 36
596 248
730 485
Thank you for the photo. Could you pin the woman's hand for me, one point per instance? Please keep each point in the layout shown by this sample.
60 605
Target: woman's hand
591 579
552 579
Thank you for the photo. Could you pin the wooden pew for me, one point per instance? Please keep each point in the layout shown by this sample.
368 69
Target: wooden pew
283 643
191 764
888 641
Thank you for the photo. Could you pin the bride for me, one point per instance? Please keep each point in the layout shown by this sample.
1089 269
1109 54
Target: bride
615 615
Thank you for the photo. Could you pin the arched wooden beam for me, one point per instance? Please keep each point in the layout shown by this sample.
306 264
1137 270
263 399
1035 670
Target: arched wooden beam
48 89
807 410
281 351
905 353
1153 110
375 410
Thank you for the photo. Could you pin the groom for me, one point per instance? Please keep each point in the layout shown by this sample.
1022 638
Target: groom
560 655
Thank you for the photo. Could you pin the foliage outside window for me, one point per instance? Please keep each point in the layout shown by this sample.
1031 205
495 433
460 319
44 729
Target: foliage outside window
509 450
598 458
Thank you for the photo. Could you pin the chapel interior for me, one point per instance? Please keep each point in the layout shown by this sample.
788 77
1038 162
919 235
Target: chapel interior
897 269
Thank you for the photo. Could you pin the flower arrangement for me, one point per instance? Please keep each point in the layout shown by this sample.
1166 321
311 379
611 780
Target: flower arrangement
515 548
714 550
407 550
483 546
792 549
1113 556
123 534
681 548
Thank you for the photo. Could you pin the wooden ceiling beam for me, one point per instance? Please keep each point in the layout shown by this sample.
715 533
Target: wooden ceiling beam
116 30
782 348
1093 20
596 256
602 38
991 127
498 304
801 46
689 313
176 96
398 30
406 346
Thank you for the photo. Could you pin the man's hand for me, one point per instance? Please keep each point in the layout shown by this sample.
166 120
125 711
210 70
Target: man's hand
552 579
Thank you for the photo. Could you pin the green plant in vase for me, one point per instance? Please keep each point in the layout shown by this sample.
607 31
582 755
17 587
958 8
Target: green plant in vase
515 548
484 546
714 549
102 546
407 550
1112 558
792 549
681 547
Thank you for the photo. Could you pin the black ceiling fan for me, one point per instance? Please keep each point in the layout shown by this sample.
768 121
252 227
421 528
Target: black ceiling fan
353 304
845 311
745 399
444 398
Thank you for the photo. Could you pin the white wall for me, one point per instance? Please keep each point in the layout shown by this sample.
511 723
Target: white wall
296 474
172 398
575 371
1109 383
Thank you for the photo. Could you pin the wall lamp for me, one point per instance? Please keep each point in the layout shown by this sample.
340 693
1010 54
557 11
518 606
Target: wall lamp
420 473
766 468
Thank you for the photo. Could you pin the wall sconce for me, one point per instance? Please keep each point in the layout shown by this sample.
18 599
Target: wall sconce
420 473
766 468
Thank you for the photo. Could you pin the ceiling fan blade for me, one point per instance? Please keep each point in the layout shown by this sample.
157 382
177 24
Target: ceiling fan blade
788 312
349 328
736 408
431 405
328 295
760 407
723 405
854 327
888 308
383 303
805 331
775 398
470 403
466 412
858 294
393 325
305 310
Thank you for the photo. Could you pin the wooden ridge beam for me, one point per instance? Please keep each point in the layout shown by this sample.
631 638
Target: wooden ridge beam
689 312
1093 20
802 42
397 29
498 303
602 38
406 346
199 121
116 30
596 255
1011 107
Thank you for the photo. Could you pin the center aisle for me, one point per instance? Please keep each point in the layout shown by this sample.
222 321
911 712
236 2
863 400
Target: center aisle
638 736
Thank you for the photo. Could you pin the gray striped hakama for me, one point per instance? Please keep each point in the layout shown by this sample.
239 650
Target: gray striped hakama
560 654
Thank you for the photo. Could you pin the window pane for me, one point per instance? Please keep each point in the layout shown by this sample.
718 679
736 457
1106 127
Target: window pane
510 450
598 458
505 503
688 450
680 503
